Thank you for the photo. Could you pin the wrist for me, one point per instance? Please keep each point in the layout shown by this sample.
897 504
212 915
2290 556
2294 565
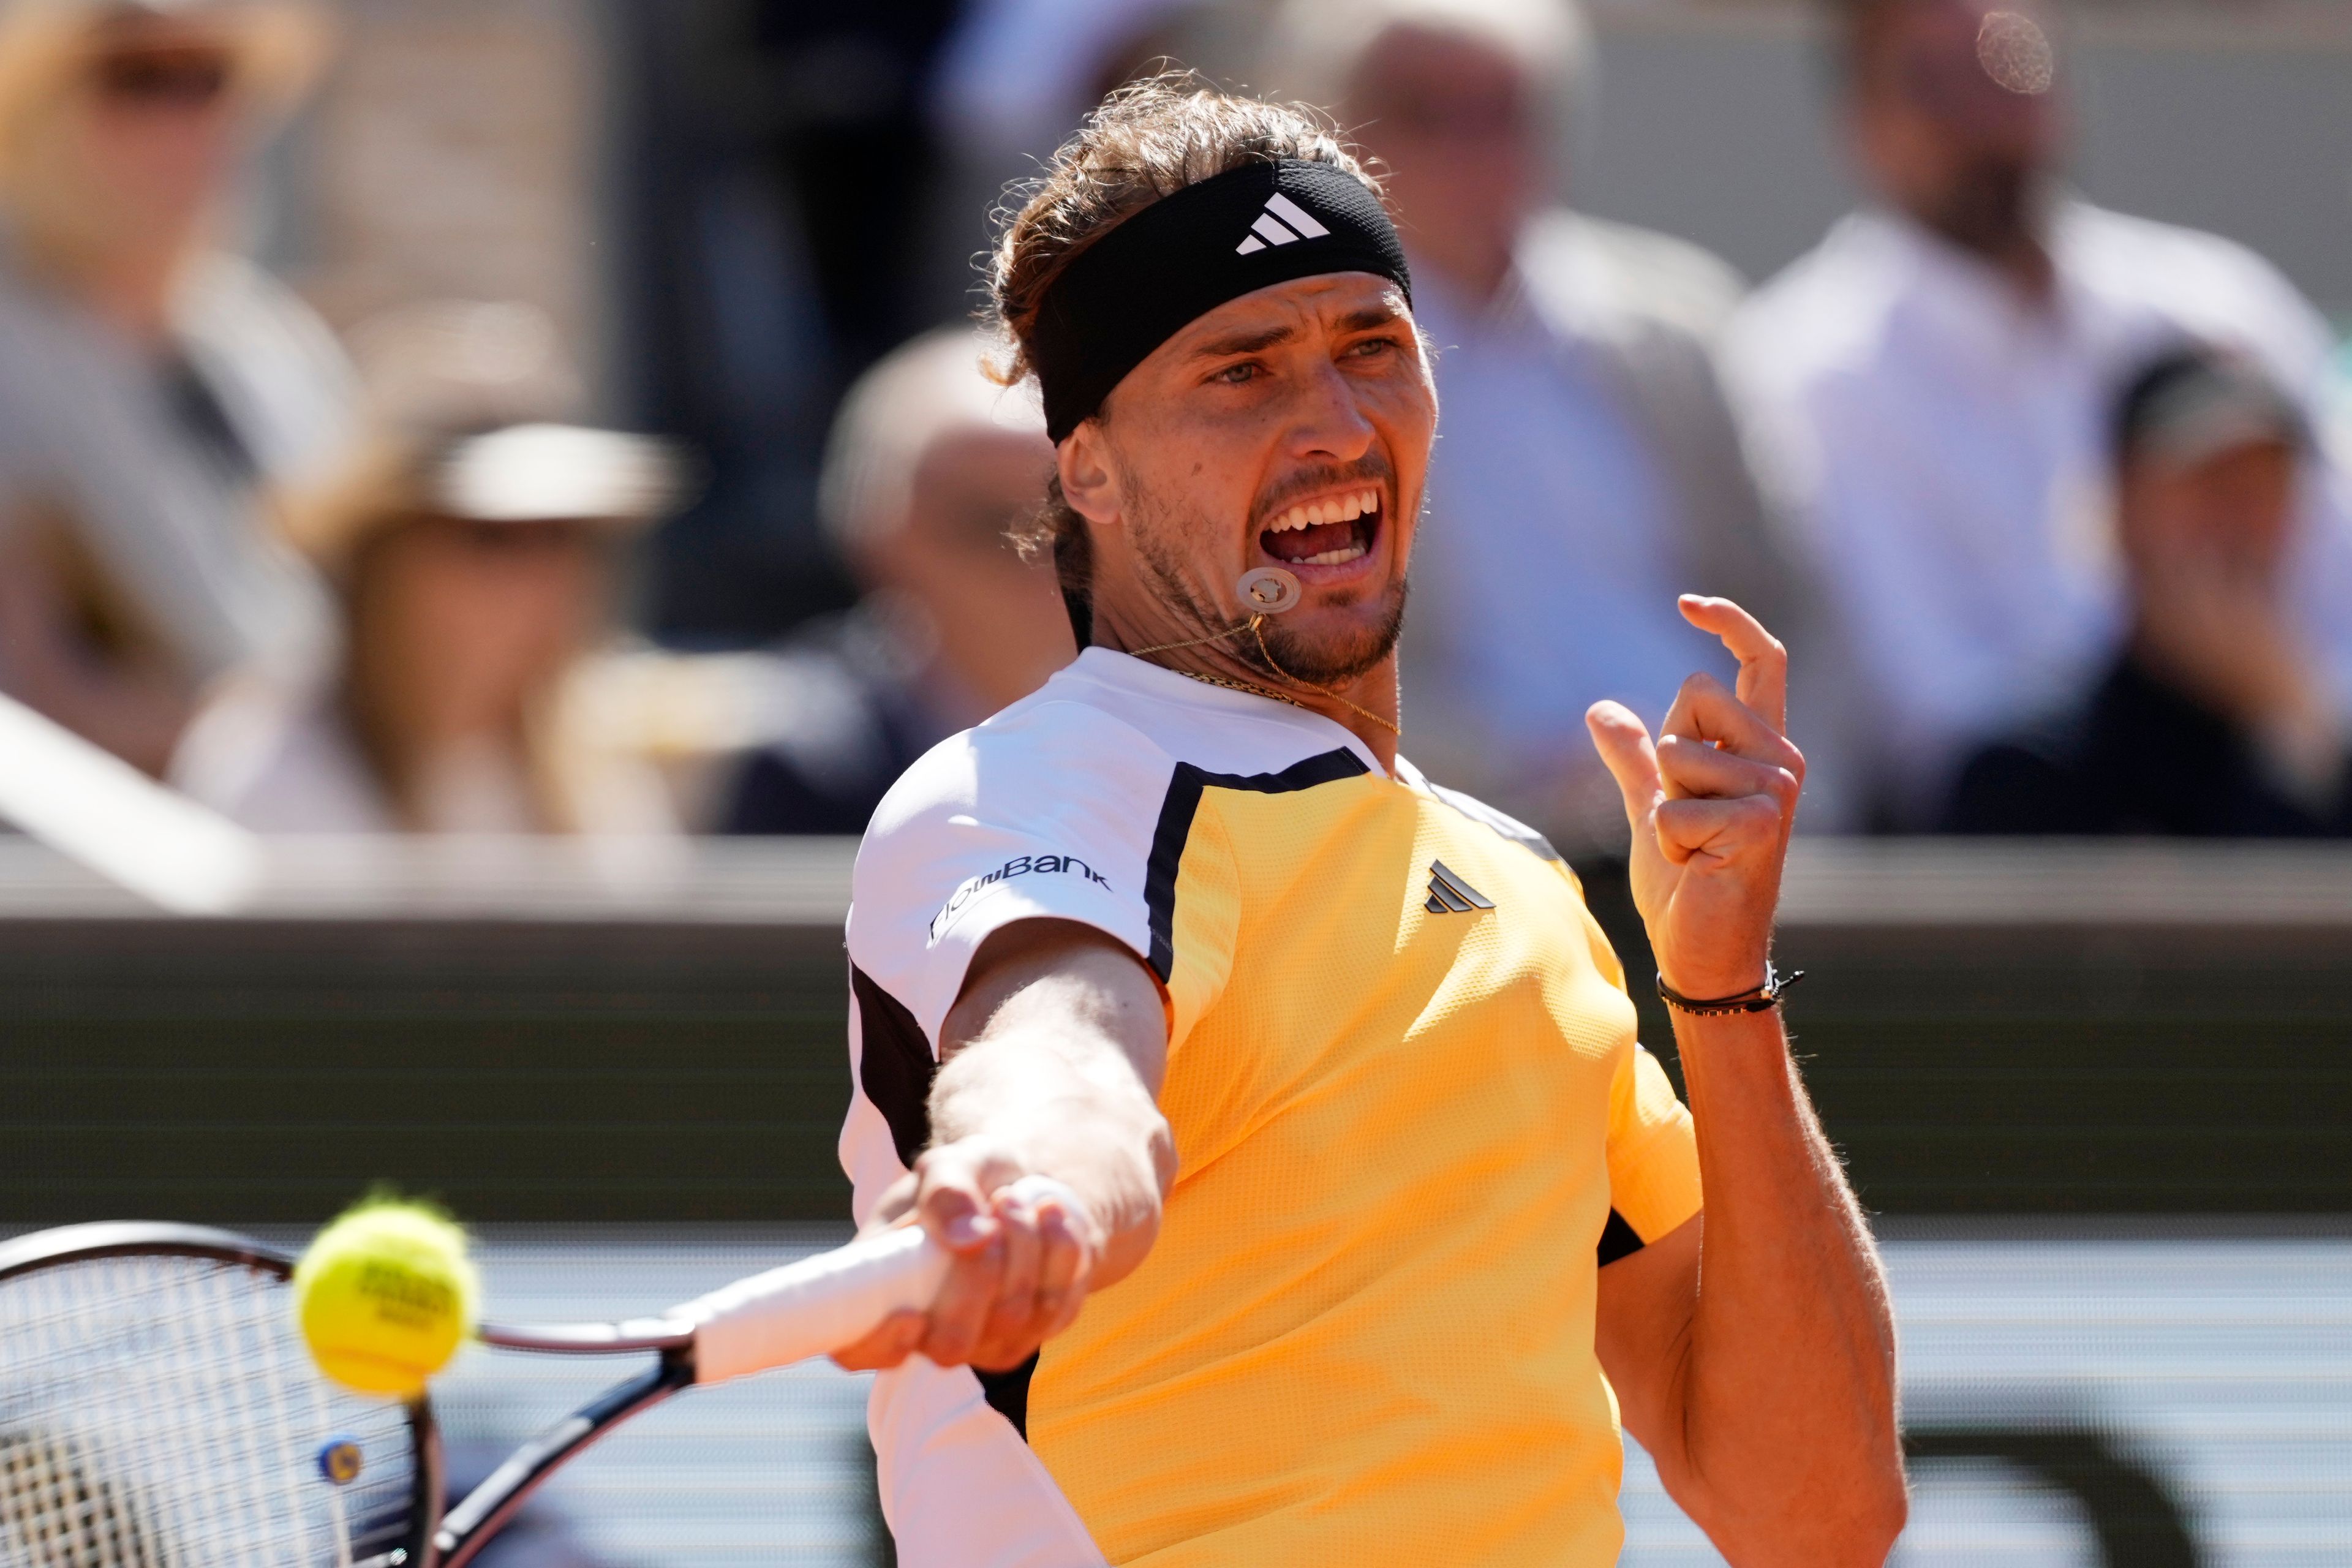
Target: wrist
1114 1178
1714 979
1760 997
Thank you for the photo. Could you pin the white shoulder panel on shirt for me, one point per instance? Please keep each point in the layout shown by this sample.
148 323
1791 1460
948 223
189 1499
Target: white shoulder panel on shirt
1048 810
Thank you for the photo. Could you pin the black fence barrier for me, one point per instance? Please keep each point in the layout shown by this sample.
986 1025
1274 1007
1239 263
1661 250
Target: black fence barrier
554 1050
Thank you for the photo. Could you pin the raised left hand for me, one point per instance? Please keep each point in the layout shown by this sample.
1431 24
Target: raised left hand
1711 804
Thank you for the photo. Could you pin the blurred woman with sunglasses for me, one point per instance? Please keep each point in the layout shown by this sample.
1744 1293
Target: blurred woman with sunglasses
154 387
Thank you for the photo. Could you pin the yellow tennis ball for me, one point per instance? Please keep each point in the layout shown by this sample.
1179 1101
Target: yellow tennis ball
384 1295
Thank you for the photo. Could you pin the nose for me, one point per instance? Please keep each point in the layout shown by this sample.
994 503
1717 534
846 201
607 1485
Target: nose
1327 424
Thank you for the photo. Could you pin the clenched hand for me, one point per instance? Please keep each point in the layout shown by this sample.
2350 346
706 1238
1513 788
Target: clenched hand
1711 804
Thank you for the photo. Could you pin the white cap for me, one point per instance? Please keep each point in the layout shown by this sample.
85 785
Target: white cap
529 473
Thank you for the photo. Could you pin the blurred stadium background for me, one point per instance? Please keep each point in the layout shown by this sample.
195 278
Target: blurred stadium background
2099 1093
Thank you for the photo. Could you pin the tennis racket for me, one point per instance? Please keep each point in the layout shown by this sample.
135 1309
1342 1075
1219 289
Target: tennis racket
158 1408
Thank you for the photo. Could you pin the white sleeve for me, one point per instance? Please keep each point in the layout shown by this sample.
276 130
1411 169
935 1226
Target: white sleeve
1048 813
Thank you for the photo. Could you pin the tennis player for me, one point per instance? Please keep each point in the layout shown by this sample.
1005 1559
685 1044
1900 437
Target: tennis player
1180 996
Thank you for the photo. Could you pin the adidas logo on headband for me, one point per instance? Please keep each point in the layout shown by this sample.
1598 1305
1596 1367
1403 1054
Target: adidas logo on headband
1281 222
1193 250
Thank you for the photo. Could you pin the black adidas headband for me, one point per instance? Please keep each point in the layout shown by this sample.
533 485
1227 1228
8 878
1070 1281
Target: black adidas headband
1185 255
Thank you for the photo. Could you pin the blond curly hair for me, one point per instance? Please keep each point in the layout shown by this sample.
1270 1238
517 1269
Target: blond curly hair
1148 139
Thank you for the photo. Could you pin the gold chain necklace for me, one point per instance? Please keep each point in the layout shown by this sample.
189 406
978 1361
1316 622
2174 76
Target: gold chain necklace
1232 684
1252 626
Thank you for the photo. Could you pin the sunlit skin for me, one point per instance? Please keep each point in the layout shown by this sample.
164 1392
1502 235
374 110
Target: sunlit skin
1296 395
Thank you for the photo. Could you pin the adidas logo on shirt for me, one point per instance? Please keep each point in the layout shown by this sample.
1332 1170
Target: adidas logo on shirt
1283 222
1450 895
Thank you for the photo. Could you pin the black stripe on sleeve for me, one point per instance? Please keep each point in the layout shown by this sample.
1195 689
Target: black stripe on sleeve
1618 1240
895 1066
1007 1392
1177 810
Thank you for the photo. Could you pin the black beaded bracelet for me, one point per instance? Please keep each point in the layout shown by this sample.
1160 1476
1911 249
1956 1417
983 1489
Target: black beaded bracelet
1762 999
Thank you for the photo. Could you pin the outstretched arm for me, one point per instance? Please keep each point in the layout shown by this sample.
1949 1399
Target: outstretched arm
1752 1350
1052 1061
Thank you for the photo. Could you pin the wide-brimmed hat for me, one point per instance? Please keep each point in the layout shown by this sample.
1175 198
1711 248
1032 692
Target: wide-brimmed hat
513 474
469 413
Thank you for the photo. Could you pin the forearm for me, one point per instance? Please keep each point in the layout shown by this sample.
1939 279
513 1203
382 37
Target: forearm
1757 1342
1051 1063
1063 1104
1789 1394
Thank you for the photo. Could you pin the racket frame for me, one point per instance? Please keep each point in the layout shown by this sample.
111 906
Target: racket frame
438 1539
467 1528
145 1239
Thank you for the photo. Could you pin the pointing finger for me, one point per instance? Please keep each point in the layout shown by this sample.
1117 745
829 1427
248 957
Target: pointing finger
1763 661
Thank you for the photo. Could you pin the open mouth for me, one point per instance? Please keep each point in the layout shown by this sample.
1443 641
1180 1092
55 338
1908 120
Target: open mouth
1327 531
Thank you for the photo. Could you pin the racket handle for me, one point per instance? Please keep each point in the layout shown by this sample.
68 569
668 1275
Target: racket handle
813 1307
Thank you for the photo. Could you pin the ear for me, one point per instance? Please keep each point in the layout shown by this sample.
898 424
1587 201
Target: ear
1089 481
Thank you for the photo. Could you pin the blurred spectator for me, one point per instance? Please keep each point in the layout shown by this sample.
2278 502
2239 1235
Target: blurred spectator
473 556
2211 723
1930 391
151 383
781 172
929 467
1014 78
1589 471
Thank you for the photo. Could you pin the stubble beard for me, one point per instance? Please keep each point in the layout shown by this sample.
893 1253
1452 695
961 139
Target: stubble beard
1326 659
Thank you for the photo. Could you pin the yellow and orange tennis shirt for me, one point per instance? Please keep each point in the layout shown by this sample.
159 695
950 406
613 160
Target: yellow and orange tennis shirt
1412 1120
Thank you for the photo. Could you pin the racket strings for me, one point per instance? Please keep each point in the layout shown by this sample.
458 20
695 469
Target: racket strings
51 1498
160 1412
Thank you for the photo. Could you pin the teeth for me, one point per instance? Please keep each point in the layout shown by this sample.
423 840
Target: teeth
1339 557
1327 509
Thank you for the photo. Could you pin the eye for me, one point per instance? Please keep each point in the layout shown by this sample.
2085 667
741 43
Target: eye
1236 374
1371 348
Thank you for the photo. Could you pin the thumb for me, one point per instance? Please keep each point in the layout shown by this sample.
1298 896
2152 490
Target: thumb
1625 748
951 1202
